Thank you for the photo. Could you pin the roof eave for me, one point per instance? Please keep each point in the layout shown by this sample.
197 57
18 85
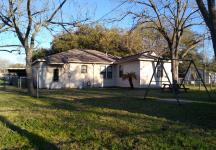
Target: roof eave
124 61
86 62
38 60
146 59
56 63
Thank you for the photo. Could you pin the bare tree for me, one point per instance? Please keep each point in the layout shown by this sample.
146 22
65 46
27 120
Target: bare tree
208 11
171 19
26 18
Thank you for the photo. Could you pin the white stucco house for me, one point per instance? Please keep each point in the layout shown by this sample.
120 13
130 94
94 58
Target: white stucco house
90 68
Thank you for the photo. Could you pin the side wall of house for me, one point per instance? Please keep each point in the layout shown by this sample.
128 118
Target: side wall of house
168 67
146 71
128 67
92 78
44 74
70 76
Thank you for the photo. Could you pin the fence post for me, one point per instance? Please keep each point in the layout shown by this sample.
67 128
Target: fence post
20 83
37 84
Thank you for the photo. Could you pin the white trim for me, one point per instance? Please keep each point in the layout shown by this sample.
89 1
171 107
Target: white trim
83 62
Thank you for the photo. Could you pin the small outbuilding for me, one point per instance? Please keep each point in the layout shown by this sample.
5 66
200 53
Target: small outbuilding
16 76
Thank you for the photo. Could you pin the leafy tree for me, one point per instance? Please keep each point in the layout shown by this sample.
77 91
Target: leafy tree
113 41
40 53
91 37
116 41
196 57
212 66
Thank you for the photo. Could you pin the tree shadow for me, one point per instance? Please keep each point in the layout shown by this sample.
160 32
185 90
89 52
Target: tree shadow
196 114
37 141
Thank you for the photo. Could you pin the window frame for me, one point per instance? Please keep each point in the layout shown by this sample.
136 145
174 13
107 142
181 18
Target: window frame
84 70
109 73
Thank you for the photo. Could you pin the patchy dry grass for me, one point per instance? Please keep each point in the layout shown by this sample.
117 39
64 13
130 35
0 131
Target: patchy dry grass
103 119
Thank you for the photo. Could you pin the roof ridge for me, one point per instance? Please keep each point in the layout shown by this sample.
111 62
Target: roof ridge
144 54
88 51
139 53
64 52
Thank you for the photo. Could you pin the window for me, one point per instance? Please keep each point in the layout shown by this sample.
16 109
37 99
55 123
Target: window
103 71
56 75
109 72
120 71
106 72
84 69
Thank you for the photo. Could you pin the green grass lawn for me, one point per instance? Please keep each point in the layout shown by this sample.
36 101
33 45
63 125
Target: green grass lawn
103 119
194 93
1 82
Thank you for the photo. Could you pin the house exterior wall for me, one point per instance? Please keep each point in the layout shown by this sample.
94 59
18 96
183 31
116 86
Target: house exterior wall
127 68
146 72
44 74
168 69
70 76
93 76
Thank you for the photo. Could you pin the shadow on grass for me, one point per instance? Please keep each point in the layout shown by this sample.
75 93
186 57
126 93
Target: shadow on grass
202 115
196 114
37 141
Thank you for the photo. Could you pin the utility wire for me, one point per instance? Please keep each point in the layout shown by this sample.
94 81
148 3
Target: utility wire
115 8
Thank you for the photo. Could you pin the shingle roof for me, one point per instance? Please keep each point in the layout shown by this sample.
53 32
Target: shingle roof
92 56
76 55
141 55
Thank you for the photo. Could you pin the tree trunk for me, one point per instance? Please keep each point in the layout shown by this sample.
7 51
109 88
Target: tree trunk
174 68
213 36
212 23
209 14
30 84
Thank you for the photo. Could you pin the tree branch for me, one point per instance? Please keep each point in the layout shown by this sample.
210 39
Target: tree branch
56 11
203 10
192 45
28 30
18 32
